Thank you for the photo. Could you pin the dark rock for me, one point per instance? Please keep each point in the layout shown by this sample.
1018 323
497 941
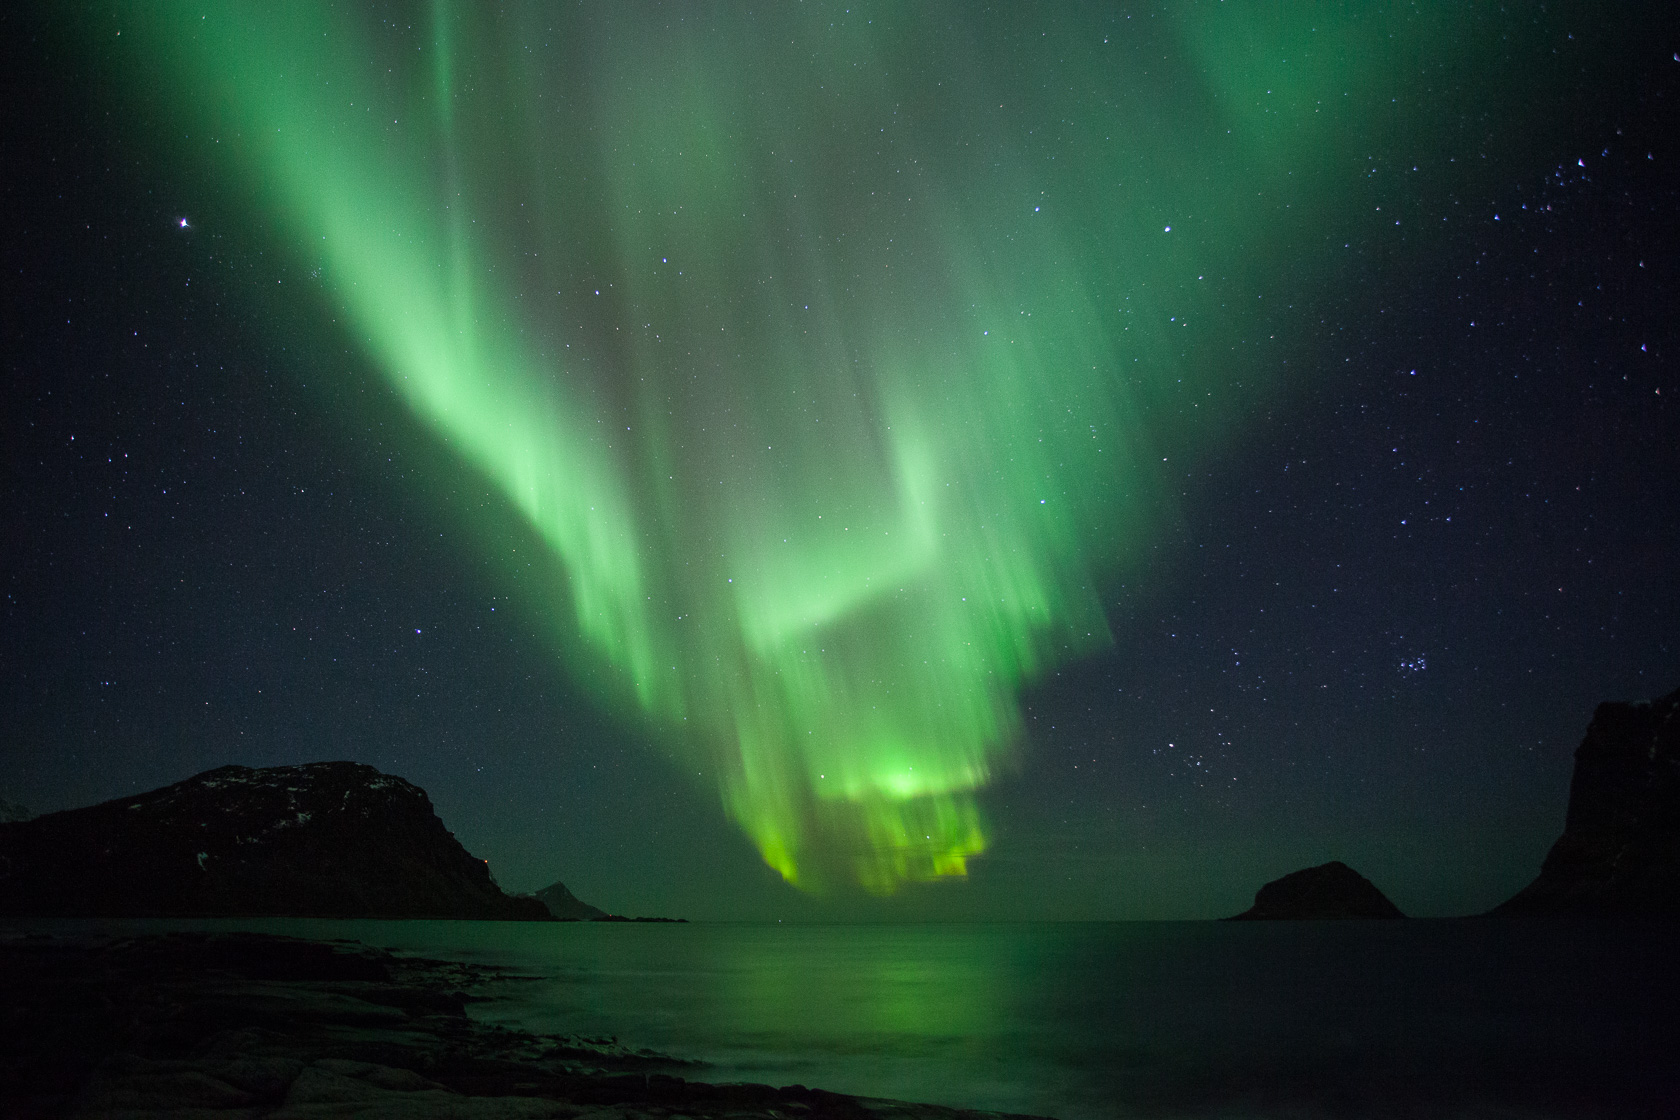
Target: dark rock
1333 890
566 906
1620 849
329 839
622 918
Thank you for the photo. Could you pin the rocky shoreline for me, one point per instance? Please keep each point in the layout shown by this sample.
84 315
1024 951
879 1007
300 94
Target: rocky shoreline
247 1026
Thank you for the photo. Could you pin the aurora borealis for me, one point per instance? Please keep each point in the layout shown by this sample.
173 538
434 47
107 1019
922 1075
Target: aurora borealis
819 384
825 437
852 366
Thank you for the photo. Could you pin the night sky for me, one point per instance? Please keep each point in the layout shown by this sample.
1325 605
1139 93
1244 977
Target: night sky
964 463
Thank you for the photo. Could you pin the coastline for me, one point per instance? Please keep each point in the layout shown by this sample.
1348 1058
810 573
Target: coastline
256 1025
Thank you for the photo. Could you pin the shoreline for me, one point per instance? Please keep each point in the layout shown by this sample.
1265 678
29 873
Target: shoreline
257 1025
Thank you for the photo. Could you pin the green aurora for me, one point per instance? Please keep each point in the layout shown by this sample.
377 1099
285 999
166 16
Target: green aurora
835 353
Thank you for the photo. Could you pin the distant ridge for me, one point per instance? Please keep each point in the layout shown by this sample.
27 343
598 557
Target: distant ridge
1330 890
622 918
566 906
1620 849
328 839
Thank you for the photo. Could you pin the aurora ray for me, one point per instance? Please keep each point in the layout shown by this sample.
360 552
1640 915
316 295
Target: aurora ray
831 351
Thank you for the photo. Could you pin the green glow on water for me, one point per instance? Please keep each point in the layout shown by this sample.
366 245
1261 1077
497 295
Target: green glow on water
831 353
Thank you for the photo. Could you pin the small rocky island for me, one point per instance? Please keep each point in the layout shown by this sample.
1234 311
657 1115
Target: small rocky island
1620 849
323 840
1331 890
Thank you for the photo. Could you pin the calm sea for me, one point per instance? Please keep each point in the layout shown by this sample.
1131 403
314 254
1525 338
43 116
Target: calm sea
1079 1021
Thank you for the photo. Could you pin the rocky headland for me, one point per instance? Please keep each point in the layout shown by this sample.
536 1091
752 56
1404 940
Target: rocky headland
1619 854
251 1026
566 906
1331 890
327 839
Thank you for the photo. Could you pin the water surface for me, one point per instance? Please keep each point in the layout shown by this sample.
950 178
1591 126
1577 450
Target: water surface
1080 1021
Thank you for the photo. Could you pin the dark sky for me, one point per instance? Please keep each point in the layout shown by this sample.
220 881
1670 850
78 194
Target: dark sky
1371 624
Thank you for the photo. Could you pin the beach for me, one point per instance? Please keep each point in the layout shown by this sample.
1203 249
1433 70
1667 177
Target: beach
248 1025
